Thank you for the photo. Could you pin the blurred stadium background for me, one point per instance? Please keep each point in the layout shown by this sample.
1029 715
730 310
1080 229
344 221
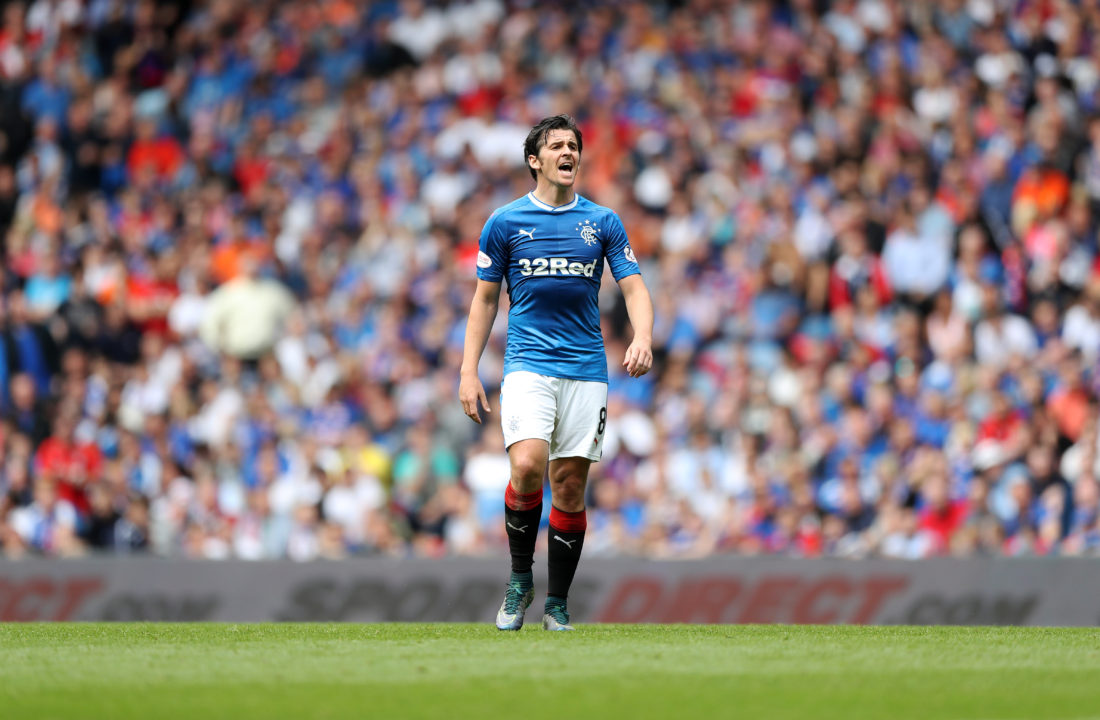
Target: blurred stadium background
239 243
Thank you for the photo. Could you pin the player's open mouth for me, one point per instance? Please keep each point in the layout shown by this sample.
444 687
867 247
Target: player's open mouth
566 167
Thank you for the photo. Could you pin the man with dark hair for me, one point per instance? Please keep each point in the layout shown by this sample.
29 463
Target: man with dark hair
536 139
551 245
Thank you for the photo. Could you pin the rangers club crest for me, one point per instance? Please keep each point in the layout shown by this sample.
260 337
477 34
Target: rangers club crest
588 232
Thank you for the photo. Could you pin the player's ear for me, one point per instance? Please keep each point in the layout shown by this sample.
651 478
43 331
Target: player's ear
533 162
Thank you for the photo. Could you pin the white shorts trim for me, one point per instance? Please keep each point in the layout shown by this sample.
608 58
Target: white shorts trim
570 415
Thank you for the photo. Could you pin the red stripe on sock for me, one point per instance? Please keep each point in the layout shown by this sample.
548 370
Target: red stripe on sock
572 522
519 502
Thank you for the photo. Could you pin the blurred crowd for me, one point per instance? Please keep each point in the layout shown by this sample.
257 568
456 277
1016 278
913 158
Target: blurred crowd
239 243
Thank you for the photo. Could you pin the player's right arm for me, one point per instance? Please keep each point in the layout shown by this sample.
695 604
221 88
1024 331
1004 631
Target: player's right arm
483 312
492 259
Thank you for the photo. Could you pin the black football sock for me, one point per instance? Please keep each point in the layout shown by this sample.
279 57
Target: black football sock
566 540
521 521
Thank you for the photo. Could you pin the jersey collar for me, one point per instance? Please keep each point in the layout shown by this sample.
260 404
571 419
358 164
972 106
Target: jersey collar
550 208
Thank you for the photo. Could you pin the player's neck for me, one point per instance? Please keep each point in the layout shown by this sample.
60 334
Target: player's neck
553 195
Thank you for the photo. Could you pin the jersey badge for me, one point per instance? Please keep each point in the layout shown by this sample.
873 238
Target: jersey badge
588 232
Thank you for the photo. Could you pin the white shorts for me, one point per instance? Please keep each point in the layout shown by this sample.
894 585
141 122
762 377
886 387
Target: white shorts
571 415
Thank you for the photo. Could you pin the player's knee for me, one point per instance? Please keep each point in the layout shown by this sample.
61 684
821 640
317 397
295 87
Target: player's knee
527 471
568 492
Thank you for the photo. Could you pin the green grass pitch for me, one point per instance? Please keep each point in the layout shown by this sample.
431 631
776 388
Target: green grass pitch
162 671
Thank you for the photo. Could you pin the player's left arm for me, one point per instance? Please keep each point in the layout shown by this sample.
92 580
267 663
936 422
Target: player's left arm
639 307
639 356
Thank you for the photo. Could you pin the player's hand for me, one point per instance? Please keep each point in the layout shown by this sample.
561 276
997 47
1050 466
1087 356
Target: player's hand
470 390
638 359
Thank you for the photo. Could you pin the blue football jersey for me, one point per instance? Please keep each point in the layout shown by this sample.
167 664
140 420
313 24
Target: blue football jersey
553 259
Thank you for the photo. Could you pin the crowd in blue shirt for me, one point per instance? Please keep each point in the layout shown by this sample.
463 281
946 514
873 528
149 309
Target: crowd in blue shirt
869 228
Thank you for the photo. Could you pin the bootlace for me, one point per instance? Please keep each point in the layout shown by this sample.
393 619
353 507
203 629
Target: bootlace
513 598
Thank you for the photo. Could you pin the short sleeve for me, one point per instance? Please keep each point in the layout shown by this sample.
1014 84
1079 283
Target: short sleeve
492 251
617 248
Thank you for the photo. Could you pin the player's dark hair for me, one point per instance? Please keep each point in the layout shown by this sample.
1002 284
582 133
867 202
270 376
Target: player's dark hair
536 139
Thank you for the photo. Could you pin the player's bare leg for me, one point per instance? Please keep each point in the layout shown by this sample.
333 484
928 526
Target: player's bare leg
522 512
568 522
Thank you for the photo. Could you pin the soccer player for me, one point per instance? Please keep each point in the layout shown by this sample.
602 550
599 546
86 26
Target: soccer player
551 245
